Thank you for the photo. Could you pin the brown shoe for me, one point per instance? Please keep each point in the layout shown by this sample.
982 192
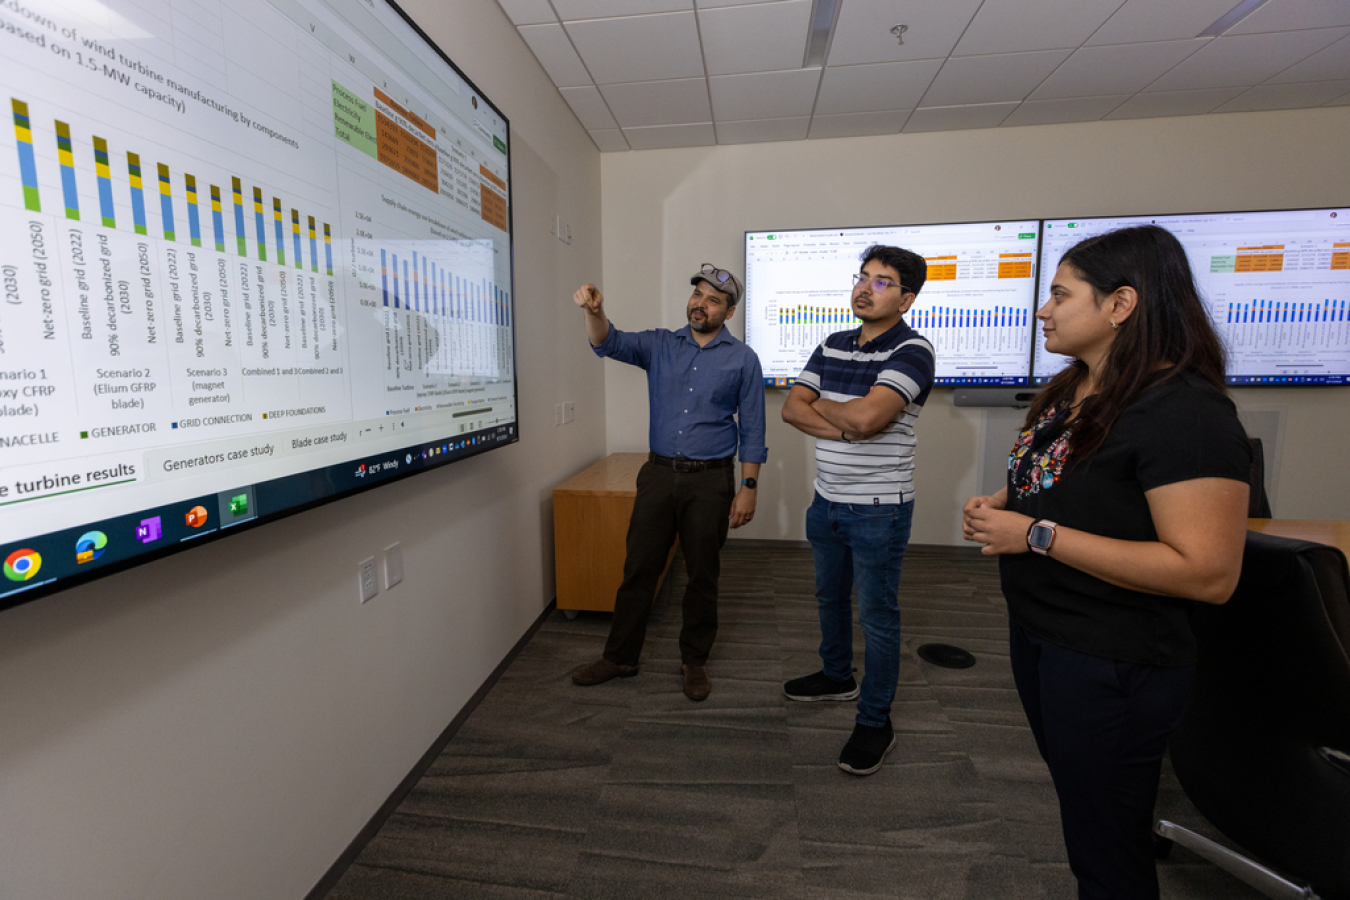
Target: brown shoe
696 684
600 671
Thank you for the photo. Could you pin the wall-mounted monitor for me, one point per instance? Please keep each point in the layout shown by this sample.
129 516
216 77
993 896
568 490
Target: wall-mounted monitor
975 307
255 255
1276 285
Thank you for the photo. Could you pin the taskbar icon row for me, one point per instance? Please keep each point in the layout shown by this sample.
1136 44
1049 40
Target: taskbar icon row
60 554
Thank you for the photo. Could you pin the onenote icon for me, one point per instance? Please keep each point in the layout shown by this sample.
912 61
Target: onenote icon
22 565
90 546
149 530
196 517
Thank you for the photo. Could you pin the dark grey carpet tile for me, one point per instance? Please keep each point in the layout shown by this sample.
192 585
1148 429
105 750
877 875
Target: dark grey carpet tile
630 790
367 882
470 851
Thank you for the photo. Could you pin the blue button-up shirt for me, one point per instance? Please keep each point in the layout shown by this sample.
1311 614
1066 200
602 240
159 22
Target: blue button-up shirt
695 392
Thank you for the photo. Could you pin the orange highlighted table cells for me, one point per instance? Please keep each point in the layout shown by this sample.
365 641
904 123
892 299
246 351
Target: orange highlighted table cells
1259 259
1014 265
941 268
1340 256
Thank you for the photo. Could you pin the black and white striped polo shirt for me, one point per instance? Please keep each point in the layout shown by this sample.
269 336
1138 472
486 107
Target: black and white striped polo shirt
879 469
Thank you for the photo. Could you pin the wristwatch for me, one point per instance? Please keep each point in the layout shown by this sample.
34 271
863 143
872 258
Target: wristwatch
750 483
1040 536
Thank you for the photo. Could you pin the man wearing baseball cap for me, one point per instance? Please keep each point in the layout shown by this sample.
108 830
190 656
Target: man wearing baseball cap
706 393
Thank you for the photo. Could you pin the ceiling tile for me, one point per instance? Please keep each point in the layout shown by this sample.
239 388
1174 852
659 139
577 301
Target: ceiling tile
597 9
884 86
589 106
762 130
1175 103
1245 60
1287 15
1016 26
659 102
554 52
761 38
1051 112
764 95
1286 96
1340 101
1330 64
858 124
661 136
639 48
528 12
991 79
1114 69
717 4
1159 20
955 118
862 31
609 140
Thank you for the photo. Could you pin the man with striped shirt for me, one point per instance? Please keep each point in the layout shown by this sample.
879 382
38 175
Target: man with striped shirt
859 396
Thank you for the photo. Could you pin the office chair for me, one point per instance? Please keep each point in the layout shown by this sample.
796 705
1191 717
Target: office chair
1263 749
1258 507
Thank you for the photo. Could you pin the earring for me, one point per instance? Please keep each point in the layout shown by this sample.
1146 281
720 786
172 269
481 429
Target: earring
1114 324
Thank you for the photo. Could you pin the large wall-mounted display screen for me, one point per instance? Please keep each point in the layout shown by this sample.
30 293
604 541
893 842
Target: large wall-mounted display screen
255 255
1275 284
975 308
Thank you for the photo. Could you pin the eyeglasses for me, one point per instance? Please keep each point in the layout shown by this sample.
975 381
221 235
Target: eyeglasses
720 277
877 284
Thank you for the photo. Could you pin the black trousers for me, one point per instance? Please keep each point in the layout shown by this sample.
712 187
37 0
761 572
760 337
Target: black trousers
1102 727
694 507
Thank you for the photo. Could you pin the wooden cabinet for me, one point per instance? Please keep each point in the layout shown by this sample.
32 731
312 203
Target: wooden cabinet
590 527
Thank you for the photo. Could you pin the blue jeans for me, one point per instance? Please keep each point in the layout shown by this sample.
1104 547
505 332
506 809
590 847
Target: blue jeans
856 544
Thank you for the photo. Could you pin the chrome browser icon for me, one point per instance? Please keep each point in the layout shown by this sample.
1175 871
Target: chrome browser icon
23 564
90 546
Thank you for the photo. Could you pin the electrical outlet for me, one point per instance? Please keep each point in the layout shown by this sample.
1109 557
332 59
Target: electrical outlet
365 571
393 565
569 411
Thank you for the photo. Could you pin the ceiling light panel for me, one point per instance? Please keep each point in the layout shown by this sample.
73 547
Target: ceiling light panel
862 32
639 48
1016 26
763 37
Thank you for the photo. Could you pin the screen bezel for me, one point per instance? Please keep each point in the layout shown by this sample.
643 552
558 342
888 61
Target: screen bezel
21 595
773 384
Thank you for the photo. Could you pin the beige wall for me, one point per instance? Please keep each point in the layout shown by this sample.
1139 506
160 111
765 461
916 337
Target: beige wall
220 724
666 211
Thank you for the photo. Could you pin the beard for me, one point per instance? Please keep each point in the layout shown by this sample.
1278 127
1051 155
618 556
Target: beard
703 326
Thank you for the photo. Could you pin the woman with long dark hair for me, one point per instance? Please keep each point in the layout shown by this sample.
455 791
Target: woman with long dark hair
1126 501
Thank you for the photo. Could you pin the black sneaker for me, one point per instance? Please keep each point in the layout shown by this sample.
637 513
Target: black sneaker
821 687
867 748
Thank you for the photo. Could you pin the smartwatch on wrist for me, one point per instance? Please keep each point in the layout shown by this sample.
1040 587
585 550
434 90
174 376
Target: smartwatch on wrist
750 483
1040 536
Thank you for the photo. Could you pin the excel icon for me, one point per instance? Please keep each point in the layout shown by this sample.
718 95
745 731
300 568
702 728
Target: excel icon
239 505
